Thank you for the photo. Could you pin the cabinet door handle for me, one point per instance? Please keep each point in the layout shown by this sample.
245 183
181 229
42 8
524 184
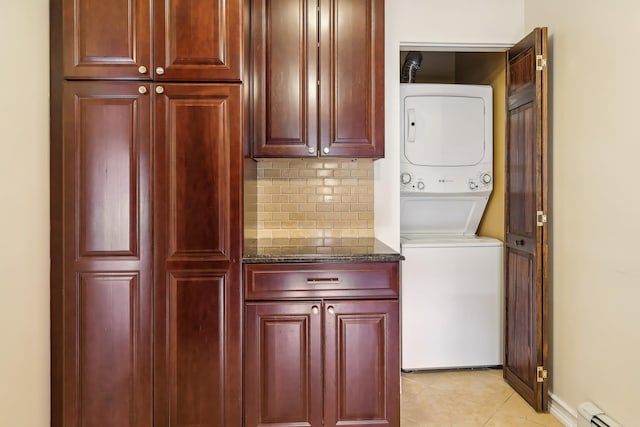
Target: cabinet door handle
315 309
331 310
322 280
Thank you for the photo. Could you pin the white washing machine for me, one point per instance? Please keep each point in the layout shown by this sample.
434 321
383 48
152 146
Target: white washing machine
451 302
451 289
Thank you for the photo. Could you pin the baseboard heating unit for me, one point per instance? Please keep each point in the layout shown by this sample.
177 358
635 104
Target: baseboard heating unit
589 415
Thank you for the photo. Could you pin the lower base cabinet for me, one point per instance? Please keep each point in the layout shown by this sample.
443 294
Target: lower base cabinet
283 362
322 362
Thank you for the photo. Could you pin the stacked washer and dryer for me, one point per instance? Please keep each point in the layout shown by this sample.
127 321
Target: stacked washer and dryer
451 278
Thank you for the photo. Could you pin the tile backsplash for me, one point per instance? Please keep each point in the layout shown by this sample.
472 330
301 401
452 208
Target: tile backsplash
315 198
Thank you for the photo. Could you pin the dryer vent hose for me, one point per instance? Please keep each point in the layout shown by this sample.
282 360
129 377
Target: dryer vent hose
411 65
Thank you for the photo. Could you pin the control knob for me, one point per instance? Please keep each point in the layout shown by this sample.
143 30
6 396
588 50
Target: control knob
405 178
473 185
420 185
485 178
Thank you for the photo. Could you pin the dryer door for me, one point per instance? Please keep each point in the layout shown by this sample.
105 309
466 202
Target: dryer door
444 130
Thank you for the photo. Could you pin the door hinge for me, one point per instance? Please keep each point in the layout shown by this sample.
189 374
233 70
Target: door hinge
541 218
541 374
541 62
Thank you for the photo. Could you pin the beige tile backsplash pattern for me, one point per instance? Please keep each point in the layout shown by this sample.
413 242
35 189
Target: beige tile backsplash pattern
304 198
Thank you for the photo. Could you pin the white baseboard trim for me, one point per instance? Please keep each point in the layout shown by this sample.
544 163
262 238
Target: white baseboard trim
562 411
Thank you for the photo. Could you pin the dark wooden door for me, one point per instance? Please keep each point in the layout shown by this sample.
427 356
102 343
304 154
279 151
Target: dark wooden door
285 73
198 40
107 285
283 359
362 363
106 39
351 78
526 210
198 237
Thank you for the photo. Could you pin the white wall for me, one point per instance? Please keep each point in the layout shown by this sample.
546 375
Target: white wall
596 208
434 22
24 213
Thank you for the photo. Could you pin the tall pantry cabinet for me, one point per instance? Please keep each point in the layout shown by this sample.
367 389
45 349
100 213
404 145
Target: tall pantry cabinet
146 176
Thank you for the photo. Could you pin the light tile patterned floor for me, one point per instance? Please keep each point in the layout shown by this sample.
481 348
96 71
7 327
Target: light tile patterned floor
468 398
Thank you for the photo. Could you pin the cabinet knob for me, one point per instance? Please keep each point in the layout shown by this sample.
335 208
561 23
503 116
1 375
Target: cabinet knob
325 150
159 71
312 150
331 310
142 90
315 309
159 89
142 69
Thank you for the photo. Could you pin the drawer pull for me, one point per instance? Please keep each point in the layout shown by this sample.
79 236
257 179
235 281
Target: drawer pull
322 280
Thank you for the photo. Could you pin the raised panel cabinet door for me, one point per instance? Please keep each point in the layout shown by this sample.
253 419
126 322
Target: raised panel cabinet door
107 286
198 40
352 78
197 236
285 62
106 39
283 364
362 363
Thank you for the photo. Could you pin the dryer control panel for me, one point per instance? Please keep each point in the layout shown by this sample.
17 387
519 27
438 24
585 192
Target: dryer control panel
430 181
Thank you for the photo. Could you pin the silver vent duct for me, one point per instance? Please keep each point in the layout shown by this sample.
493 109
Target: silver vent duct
411 65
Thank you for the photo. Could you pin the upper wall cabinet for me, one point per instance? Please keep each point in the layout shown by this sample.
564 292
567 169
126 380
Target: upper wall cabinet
181 40
318 78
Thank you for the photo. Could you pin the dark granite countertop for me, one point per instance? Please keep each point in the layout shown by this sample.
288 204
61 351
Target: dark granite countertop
318 250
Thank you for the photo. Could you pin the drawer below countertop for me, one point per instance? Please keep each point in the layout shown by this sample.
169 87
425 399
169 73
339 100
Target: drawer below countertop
278 281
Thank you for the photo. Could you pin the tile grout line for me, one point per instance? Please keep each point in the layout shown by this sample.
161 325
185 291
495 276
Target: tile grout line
499 408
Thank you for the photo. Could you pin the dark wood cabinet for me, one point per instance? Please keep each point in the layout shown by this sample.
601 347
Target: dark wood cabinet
153 39
146 301
198 238
362 371
106 335
123 365
148 130
106 40
198 40
284 367
318 78
325 361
